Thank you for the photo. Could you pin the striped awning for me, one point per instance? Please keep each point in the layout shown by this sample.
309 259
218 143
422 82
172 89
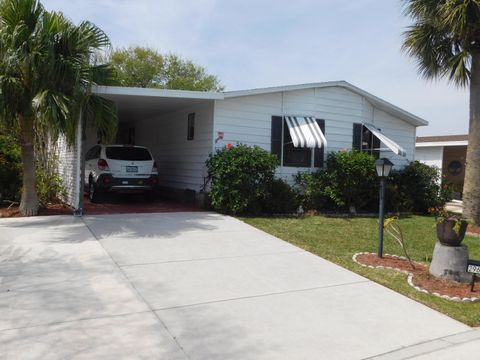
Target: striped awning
305 132
389 143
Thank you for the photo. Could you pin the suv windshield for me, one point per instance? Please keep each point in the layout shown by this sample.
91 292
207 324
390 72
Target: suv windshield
127 153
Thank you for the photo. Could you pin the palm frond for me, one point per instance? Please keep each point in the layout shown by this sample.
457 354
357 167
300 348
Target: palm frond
462 17
442 37
93 36
431 48
47 68
104 74
460 65
104 114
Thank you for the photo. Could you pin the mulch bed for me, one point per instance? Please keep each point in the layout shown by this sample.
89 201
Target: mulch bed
393 262
446 287
421 277
113 205
50 209
473 230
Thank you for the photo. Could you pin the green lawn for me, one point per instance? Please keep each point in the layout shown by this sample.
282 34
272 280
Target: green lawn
337 239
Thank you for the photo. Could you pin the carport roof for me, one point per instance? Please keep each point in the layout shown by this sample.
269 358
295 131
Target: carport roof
166 93
134 103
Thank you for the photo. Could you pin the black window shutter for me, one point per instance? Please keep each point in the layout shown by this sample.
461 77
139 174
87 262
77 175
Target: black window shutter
357 136
277 136
319 154
376 145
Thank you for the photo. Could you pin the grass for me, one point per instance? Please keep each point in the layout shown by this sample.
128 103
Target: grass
337 239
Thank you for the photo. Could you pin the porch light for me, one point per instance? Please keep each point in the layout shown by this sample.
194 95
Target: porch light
383 167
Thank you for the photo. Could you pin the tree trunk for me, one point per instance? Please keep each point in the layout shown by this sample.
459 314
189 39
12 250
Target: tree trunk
471 189
29 201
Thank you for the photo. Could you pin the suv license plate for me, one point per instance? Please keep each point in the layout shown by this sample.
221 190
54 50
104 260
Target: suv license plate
132 169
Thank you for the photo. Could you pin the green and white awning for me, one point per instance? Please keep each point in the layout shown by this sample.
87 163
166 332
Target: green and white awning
305 132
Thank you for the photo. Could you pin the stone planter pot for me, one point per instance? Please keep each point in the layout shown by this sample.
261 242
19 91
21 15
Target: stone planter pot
450 262
447 235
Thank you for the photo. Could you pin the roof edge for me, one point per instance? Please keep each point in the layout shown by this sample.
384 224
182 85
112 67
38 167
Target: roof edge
441 143
167 93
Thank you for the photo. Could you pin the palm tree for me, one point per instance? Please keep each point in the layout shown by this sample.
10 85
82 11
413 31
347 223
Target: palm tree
445 41
46 79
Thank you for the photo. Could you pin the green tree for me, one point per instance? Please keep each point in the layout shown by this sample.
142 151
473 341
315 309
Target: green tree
445 41
138 67
147 68
46 80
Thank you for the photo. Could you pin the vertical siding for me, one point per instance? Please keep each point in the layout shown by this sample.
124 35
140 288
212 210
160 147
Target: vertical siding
247 120
399 131
181 163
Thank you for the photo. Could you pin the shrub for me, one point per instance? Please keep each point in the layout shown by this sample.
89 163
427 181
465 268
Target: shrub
281 198
352 180
10 169
447 192
49 186
241 178
348 183
414 188
311 187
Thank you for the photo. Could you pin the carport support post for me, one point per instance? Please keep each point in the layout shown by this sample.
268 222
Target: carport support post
381 216
81 139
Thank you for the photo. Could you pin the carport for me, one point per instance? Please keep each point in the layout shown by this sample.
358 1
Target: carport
176 125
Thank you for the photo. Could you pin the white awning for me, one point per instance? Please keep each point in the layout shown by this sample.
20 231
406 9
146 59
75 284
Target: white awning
392 145
305 132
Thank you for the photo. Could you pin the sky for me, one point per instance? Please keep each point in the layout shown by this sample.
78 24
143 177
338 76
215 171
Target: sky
251 44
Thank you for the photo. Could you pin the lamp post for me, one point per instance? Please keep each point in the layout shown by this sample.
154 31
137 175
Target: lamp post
383 167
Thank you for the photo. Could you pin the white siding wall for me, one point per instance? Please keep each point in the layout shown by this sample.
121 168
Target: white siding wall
244 120
432 156
181 163
399 131
247 120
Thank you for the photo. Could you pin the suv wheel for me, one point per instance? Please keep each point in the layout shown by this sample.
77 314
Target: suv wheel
93 192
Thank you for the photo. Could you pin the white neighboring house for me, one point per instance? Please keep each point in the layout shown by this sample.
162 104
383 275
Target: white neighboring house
448 153
299 123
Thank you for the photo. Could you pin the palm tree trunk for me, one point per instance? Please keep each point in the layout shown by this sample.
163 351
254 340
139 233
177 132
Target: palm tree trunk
29 201
471 189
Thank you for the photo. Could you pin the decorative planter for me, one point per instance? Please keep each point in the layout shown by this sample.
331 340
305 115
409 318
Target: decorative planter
450 262
447 234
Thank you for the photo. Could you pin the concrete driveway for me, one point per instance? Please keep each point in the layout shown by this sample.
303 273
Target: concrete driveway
197 285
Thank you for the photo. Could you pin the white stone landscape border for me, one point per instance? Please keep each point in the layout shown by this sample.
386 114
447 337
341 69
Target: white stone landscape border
410 278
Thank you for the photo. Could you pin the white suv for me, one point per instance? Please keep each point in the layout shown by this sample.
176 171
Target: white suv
119 168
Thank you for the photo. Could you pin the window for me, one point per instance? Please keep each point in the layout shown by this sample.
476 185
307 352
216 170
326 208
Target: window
365 141
93 153
129 153
294 156
191 126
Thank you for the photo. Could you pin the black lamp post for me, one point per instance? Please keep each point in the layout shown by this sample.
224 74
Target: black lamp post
383 167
